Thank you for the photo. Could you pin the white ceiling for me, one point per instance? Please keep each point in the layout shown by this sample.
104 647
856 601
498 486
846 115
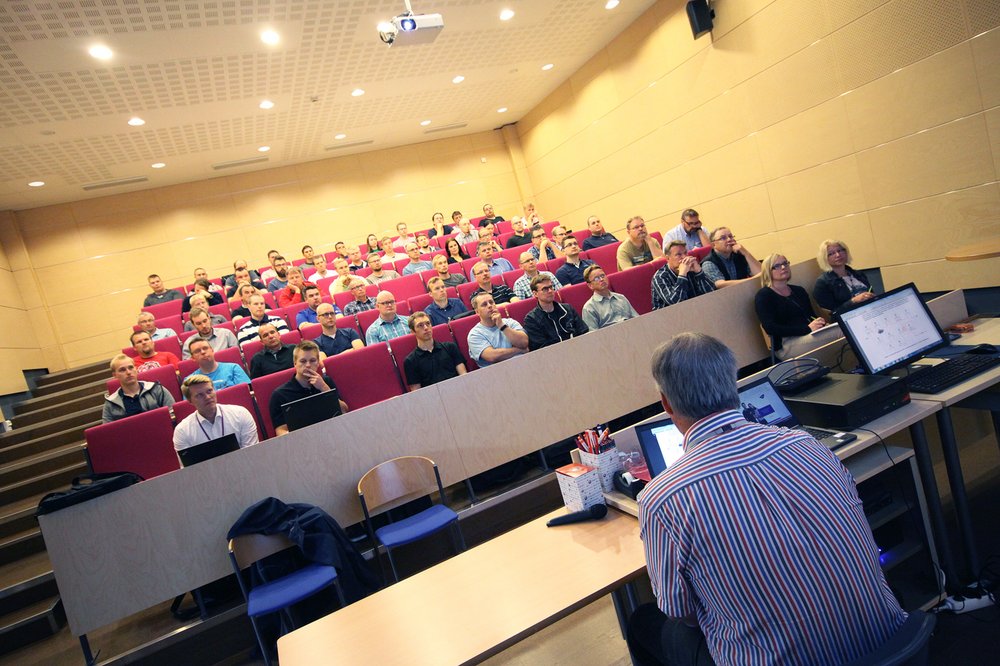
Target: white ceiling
197 71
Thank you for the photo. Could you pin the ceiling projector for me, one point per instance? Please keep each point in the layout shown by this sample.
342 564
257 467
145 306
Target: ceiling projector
410 28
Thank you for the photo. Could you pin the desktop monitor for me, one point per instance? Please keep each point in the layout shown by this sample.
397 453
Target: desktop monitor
891 330
661 444
311 409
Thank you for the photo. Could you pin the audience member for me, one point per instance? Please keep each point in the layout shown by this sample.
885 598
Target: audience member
333 340
455 252
134 396
496 265
840 286
372 243
438 227
488 233
729 262
431 361
559 235
456 215
258 317
223 375
441 308
689 231
388 324
489 215
550 322
494 338
571 272
280 267
211 420
147 323
404 236
540 242
293 293
522 235
501 293
378 273
147 358
639 248
308 314
308 380
201 288
340 248
605 307
240 277
598 236
269 274
450 279
344 276
784 309
362 301
709 607
354 260
233 281
680 279
309 255
416 263
466 234
522 285
424 243
200 302
218 338
160 293
246 291
321 271
202 274
274 357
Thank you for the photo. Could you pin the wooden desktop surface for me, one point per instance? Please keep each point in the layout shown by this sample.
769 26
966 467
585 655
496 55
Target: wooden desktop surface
480 602
987 331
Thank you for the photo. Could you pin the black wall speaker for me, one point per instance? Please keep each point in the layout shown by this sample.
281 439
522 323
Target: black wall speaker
700 16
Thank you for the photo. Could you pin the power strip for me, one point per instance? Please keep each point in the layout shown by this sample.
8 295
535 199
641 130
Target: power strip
968 602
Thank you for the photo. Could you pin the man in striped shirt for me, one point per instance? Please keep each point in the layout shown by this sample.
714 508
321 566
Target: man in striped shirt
757 545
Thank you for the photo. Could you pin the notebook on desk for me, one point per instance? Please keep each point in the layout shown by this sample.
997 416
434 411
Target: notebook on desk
213 448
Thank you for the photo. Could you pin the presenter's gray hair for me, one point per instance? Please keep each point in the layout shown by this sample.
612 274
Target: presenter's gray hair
697 373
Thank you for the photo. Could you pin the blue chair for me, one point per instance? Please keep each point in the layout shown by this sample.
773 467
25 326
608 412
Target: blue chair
906 647
277 595
394 482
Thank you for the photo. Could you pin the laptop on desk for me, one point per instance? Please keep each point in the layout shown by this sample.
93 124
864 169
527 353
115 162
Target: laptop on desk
213 448
311 409
761 403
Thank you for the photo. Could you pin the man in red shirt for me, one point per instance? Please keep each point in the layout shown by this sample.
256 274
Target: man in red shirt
147 357
292 294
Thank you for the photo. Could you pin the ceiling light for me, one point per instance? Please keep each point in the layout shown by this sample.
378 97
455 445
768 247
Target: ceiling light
100 51
263 149
547 67
458 79
425 123
158 165
502 109
136 121
270 37
338 137
357 92
267 104
36 183
506 14
611 4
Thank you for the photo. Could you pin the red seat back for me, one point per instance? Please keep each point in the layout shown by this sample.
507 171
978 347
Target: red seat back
636 285
460 329
404 287
171 344
658 236
402 347
173 322
165 309
366 319
510 277
519 309
143 444
220 309
343 298
231 355
700 253
263 387
166 375
504 227
364 376
606 257
549 226
576 295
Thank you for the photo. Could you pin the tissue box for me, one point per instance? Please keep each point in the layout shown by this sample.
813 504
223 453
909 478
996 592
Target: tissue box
580 486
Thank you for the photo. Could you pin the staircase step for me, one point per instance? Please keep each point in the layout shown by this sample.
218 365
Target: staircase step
22 544
25 569
55 387
31 623
19 516
46 443
54 480
42 463
90 389
61 375
58 424
89 404
30 590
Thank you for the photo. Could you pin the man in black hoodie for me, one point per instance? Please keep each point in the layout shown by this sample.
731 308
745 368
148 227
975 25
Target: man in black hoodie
550 322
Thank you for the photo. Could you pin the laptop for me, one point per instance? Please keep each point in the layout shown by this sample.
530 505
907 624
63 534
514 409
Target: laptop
661 444
311 409
761 403
213 448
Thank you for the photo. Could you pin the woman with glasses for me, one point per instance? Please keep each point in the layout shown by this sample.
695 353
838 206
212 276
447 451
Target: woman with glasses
840 286
784 310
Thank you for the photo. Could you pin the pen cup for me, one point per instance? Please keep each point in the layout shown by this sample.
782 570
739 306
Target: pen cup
607 463
580 486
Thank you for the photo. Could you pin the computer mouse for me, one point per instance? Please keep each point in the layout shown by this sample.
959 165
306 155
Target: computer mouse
984 348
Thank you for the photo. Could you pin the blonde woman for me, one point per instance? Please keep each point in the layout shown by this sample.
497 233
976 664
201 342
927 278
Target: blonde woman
840 286
784 310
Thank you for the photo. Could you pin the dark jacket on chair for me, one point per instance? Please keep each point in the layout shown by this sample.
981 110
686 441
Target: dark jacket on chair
832 293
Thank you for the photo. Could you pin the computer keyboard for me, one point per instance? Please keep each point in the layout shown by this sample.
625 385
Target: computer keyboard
953 371
818 433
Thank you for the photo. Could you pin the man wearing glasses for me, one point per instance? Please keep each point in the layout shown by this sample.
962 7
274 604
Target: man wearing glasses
334 340
689 231
729 262
680 279
639 248
550 322
572 271
541 243
362 301
388 324
605 307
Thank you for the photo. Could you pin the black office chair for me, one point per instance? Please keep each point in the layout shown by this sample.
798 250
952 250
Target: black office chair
906 647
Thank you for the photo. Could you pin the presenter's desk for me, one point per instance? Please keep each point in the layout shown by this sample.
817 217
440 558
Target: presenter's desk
479 602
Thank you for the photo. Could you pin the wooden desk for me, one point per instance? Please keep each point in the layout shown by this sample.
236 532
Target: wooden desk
479 602
985 249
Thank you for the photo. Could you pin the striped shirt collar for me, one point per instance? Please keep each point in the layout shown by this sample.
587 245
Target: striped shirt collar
710 426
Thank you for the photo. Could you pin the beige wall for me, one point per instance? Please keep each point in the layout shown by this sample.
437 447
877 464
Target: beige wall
875 121
98 252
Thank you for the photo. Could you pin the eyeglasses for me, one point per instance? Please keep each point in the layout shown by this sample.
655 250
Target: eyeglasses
327 314
547 288
386 303
725 237
601 277
778 267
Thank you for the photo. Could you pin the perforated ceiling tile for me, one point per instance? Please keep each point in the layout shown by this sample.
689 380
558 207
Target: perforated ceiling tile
196 71
983 15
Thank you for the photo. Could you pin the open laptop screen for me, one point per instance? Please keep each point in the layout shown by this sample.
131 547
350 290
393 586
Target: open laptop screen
761 403
207 450
661 444
311 409
891 330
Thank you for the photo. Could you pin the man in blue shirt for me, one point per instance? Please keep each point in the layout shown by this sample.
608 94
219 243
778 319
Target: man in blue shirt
496 266
442 308
223 375
689 231
415 265
572 271
388 325
335 340
313 298
494 338
598 236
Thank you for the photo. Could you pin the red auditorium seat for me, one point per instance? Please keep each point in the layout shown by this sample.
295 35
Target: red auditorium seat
423 300
231 355
549 226
165 309
143 444
263 387
324 284
171 344
460 329
366 319
254 346
503 238
504 227
234 395
636 285
349 321
364 376
221 309
400 348
518 309
440 241
167 376
470 249
576 295
513 255
658 236
552 265
404 287
700 253
606 257
345 297
173 322
476 220
581 235
467 265
510 277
